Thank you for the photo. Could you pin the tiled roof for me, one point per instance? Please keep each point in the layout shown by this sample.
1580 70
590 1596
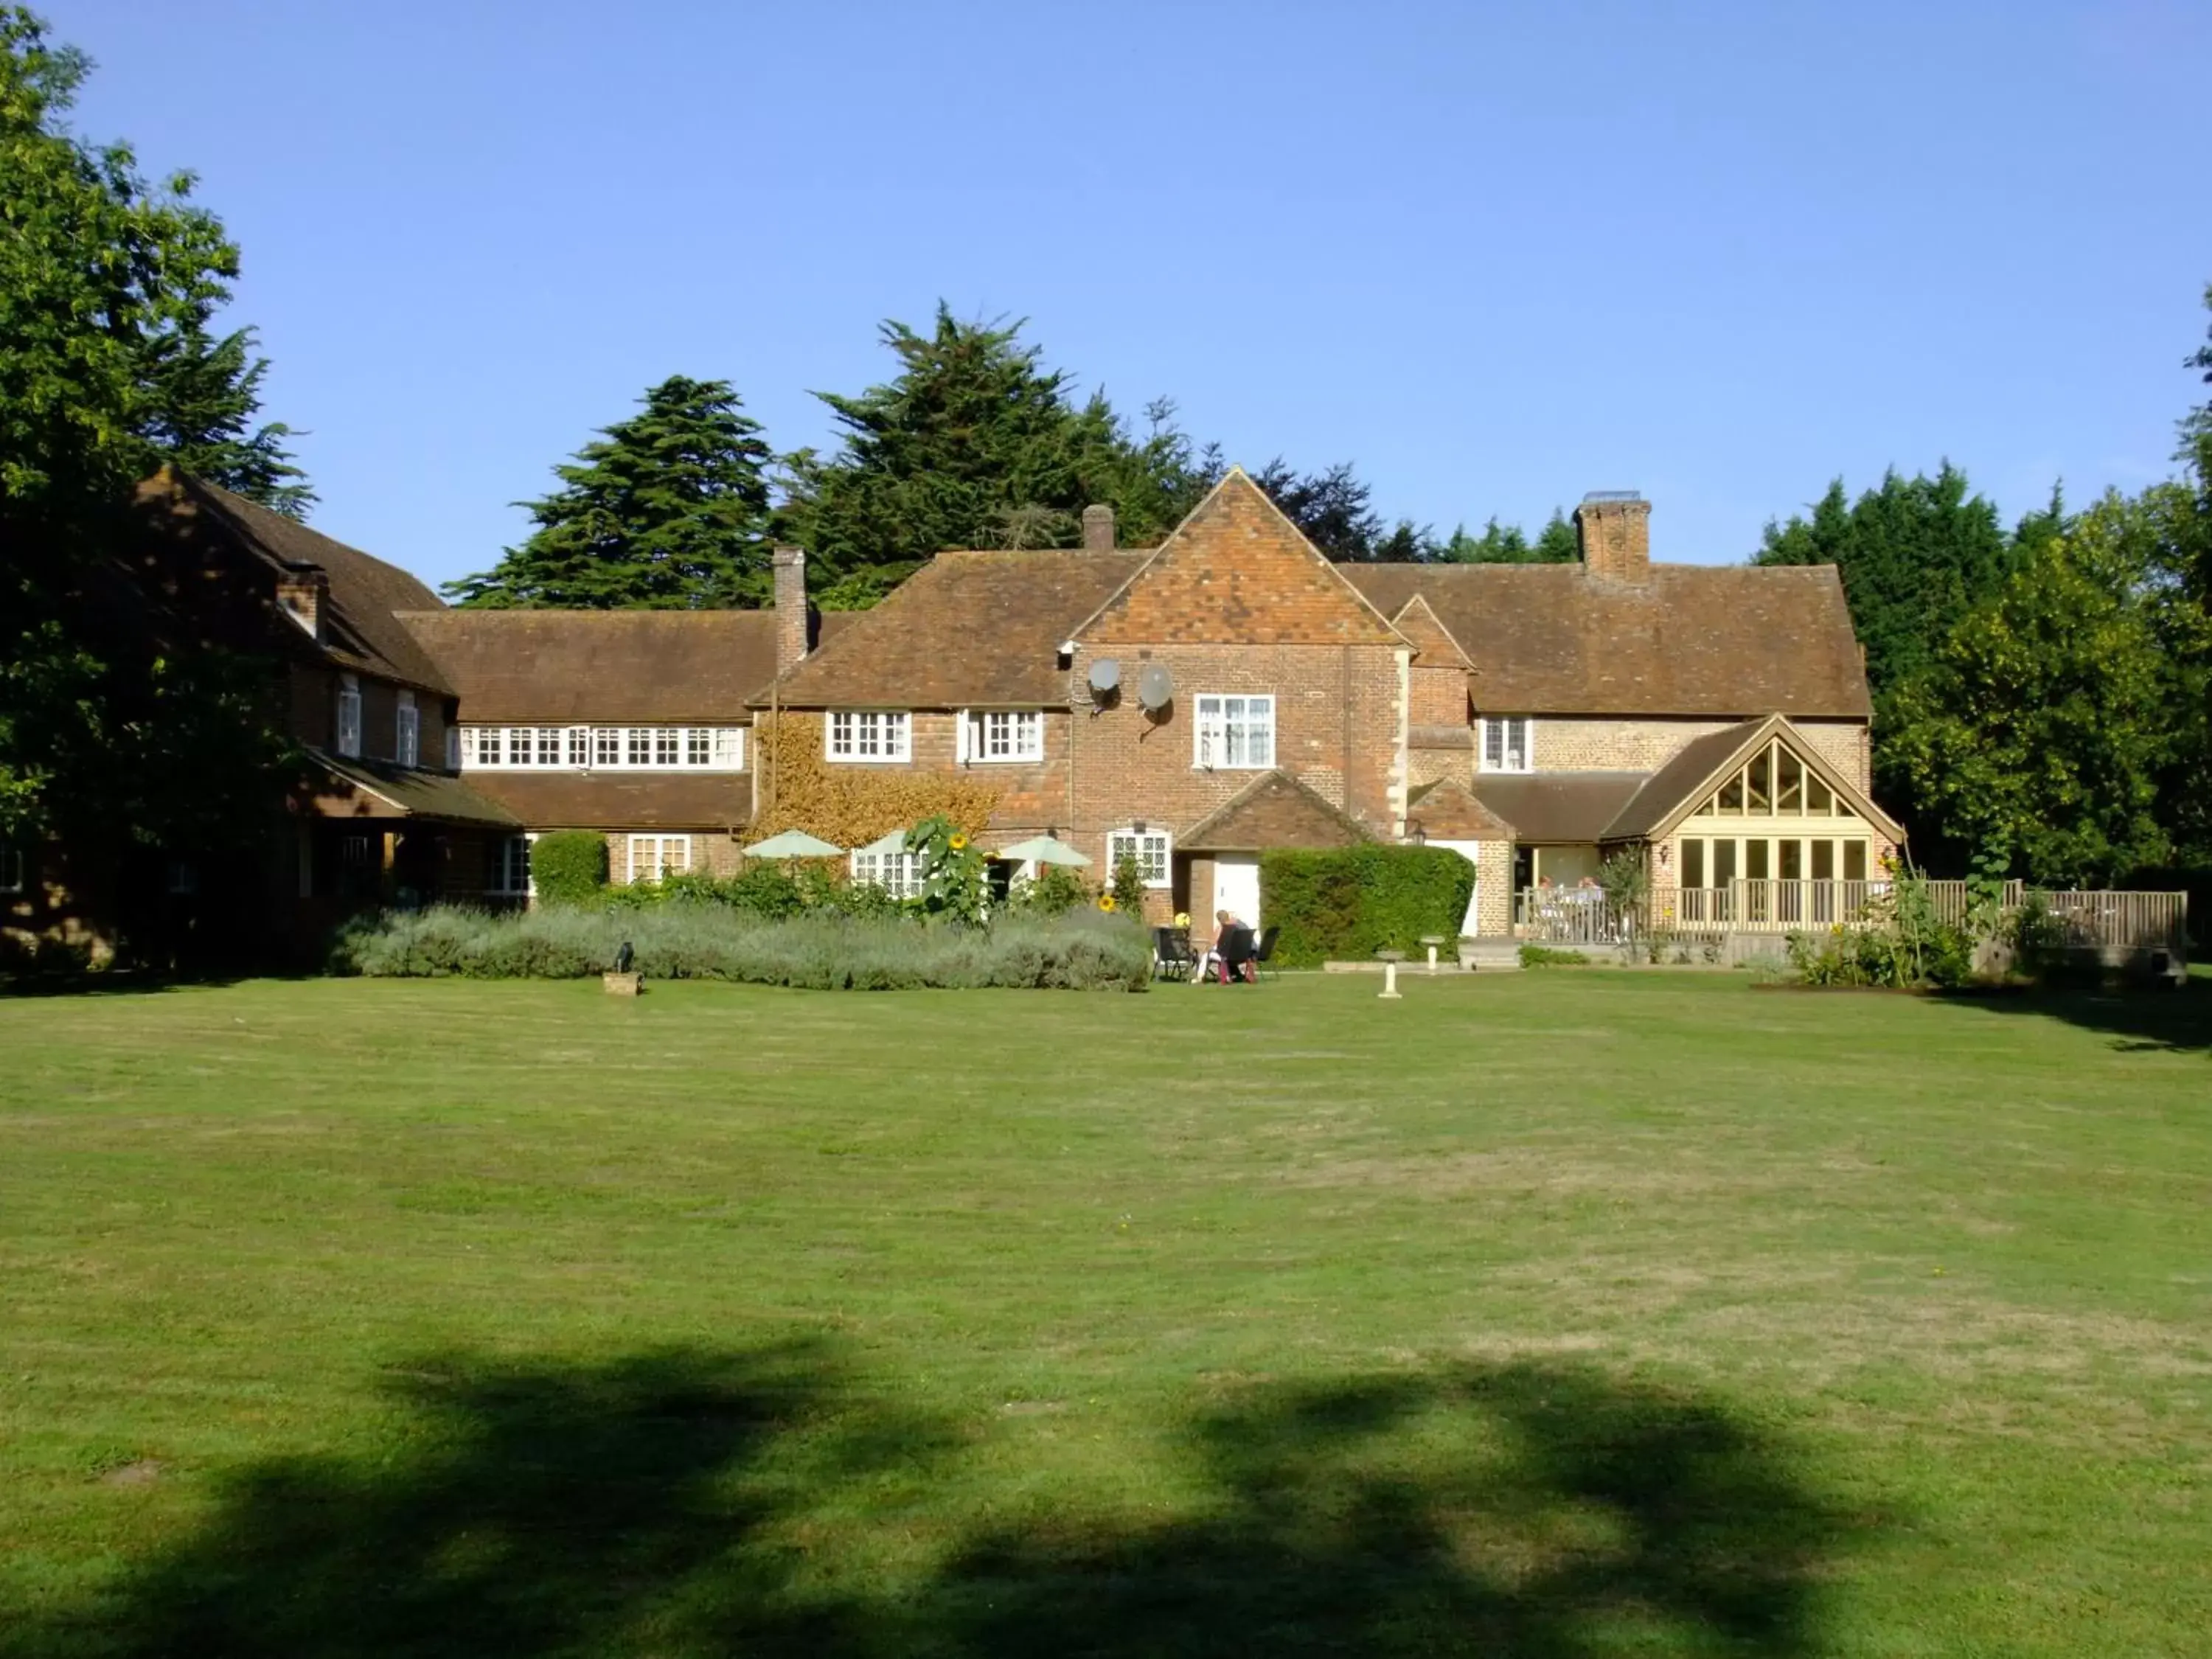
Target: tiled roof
572 800
359 629
1558 806
1273 809
378 789
967 629
554 667
1689 639
1669 794
1448 811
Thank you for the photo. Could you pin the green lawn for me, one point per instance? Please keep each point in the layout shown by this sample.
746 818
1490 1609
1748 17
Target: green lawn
1571 1313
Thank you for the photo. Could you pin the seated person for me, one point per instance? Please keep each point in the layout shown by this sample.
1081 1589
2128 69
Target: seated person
1209 959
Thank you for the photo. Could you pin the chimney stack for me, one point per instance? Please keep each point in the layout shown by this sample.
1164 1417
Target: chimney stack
303 593
1098 528
1614 526
791 619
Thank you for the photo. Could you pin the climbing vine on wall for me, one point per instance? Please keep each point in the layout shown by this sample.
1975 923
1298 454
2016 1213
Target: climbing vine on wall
851 805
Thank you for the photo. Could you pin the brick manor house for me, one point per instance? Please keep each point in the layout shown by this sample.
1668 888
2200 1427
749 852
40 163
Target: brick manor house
1194 703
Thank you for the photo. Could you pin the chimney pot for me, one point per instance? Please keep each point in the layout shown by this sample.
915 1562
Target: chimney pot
1614 528
789 564
1098 528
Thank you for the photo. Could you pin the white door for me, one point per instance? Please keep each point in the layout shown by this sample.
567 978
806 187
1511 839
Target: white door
1237 886
1468 850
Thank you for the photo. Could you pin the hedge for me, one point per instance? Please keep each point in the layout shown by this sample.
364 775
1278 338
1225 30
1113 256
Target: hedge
1346 904
1082 950
569 867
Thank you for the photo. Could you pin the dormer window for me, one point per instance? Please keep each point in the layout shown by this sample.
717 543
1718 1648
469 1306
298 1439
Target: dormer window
348 733
407 732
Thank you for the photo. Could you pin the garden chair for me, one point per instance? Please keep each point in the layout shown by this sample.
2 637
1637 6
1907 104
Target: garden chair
1236 955
1171 957
1266 953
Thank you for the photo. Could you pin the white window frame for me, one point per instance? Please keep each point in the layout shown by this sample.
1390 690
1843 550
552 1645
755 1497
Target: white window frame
1497 735
868 736
349 732
1212 733
898 874
604 748
407 731
502 870
12 869
1001 736
662 865
1155 850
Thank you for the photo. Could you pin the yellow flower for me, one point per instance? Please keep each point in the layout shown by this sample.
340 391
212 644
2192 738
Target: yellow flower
959 842
1182 918
1106 900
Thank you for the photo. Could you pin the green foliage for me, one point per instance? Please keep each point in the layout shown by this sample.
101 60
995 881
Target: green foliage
975 443
820 950
1543 956
2042 723
666 510
1626 877
954 887
1346 904
200 394
1127 886
569 866
1903 943
1054 891
1556 543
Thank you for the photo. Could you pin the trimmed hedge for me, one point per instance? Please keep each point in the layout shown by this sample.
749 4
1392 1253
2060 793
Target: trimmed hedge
569 867
1345 904
683 941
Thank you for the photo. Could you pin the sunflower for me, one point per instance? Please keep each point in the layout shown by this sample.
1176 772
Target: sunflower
1182 918
1106 902
958 843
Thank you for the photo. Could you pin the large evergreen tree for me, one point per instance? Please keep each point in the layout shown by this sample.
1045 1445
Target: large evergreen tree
199 396
667 510
114 724
1556 544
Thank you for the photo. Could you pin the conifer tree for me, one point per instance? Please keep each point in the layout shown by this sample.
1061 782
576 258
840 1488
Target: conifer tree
198 395
667 510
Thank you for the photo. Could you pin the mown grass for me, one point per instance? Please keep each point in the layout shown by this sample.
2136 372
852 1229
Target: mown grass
1550 1314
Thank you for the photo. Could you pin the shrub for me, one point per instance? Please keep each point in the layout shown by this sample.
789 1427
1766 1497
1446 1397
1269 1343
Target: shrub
1542 956
1347 903
685 940
1129 885
1054 891
569 866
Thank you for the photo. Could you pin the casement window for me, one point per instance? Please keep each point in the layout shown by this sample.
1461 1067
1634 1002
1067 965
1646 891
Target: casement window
637 748
869 734
407 732
11 869
509 874
452 747
1235 732
348 714
652 858
1508 743
999 736
1151 849
898 873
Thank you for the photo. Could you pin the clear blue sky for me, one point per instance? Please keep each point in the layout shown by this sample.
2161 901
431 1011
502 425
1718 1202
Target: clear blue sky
1494 255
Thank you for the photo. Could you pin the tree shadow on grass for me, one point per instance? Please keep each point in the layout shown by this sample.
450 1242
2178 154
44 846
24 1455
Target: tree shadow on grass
2138 1018
675 1503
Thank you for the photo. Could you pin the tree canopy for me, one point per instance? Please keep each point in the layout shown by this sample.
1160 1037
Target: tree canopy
666 510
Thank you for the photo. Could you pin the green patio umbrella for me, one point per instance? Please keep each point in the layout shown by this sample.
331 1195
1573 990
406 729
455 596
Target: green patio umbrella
793 844
1043 849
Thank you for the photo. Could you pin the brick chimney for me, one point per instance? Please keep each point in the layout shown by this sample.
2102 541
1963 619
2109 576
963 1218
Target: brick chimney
791 629
1098 528
1614 526
303 593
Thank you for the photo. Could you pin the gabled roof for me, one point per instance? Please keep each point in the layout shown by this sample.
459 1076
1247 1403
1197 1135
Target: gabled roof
1550 807
612 801
1672 792
1448 811
359 629
1418 621
350 787
1273 809
1236 571
972 629
551 667
1711 641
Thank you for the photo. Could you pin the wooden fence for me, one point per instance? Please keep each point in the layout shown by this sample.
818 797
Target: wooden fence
2102 921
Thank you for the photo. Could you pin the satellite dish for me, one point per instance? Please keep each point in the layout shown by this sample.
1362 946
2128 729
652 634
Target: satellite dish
1105 676
1155 685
